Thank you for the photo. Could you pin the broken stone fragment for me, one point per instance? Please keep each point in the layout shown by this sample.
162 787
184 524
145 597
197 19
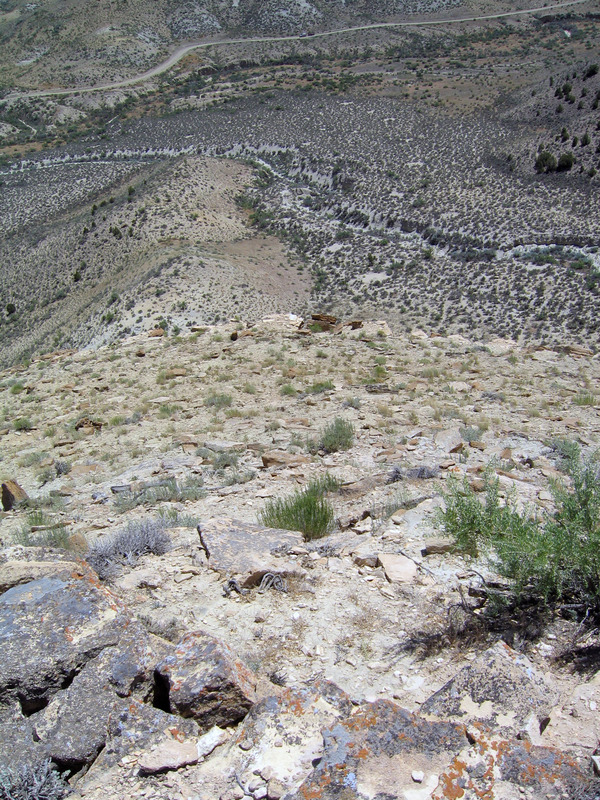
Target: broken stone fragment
203 679
168 755
281 458
450 441
397 568
12 495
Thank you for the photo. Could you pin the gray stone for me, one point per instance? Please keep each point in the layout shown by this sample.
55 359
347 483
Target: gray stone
501 687
244 550
49 628
450 440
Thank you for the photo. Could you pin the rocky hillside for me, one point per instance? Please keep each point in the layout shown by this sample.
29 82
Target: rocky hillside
120 39
160 640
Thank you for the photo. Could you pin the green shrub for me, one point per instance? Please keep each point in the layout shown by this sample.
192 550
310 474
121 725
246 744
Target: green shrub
545 162
553 560
23 424
306 510
584 399
339 435
321 386
218 401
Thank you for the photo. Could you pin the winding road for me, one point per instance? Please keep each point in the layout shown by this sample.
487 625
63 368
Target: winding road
182 51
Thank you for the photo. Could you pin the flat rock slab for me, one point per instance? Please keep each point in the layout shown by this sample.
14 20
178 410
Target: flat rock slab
501 688
281 458
206 681
14 573
397 568
168 755
247 551
577 722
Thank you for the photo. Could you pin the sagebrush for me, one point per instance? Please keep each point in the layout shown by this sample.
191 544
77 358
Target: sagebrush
126 546
552 557
38 782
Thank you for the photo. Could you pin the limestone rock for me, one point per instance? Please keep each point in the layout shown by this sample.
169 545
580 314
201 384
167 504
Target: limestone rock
450 440
501 347
242 549
577 722
223 446
501 688
437 547
156 333
214 738
397 568
168 755
203 679
281 458
12 495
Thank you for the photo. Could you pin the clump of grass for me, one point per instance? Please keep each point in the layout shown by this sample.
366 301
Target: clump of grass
125 548
584 399
218 401
168 491
53 534
321 386
23 424
352 402
552 560
338 435
306 510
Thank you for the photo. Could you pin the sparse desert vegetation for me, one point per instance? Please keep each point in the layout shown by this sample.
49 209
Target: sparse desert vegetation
299 400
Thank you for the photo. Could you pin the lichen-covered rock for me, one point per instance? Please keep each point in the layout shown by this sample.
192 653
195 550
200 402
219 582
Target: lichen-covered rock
373 753
134 728
501 688
71 655
202 678
280 739
497 768
49 628
74 725
17 744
